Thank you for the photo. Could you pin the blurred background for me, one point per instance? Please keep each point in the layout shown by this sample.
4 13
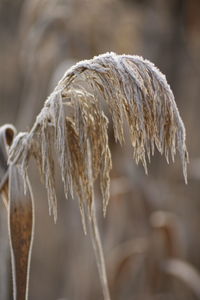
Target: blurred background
151 232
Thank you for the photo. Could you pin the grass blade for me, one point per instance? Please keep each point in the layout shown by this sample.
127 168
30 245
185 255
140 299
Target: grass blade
21 223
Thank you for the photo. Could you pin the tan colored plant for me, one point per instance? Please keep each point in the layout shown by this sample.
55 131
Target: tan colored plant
73 128
20 215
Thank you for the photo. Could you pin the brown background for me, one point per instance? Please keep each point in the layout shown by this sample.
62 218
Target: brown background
151 232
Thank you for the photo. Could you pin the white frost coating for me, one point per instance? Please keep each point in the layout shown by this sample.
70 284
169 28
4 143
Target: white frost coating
133 89
135 92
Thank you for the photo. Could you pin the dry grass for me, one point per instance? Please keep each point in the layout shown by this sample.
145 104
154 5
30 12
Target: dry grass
73 124
73 120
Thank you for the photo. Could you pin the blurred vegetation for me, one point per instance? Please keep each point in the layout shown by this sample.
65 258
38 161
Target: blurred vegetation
150 234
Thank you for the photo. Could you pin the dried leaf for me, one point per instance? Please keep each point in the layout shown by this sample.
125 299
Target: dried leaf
21 224
20 219
7 133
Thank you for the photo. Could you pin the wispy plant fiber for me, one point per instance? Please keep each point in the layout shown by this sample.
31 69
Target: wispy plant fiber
134 91
73 124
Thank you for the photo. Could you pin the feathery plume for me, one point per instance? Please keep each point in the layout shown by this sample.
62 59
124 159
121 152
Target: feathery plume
73 124
134 91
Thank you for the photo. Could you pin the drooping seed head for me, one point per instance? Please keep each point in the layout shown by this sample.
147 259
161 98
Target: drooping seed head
73 121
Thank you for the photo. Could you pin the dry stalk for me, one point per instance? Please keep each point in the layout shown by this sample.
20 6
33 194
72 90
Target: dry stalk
20 215
73 122
21 224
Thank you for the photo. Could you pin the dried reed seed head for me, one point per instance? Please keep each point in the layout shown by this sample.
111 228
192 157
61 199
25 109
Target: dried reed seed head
73 122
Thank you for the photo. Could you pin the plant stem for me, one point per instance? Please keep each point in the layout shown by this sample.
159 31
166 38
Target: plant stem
97 245
94 231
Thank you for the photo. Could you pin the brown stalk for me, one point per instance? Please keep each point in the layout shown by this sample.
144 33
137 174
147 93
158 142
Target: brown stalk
21 224
20 215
